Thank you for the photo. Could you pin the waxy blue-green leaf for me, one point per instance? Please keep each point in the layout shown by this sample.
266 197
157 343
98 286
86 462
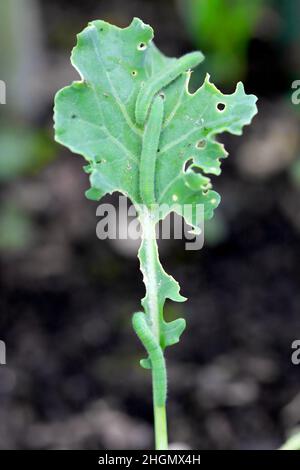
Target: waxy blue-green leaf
96 118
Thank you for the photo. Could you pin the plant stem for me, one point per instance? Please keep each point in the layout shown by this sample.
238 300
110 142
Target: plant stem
149 260
293 443
160 425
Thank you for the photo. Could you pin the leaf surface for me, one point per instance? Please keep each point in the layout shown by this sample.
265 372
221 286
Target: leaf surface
95 118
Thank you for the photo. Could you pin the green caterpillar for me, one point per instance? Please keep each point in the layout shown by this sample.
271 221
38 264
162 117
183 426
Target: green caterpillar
149 151
153 86
156 357
150 113
150 109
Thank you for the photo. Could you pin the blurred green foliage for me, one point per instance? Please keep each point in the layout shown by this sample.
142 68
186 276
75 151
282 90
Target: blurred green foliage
222 29
26 146
23 151
16 228
289 10
294 172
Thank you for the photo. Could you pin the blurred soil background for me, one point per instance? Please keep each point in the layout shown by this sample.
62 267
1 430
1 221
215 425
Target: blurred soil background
72 379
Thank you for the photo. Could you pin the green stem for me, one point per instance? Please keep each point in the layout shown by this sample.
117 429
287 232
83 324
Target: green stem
293 443
160 425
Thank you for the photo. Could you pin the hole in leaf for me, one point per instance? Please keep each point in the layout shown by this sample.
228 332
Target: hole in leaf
221 107
188 163
142 46
162 95
134 73
197 169
201 144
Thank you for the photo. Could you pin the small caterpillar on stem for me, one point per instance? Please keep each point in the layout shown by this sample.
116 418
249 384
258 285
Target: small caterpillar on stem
156 356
